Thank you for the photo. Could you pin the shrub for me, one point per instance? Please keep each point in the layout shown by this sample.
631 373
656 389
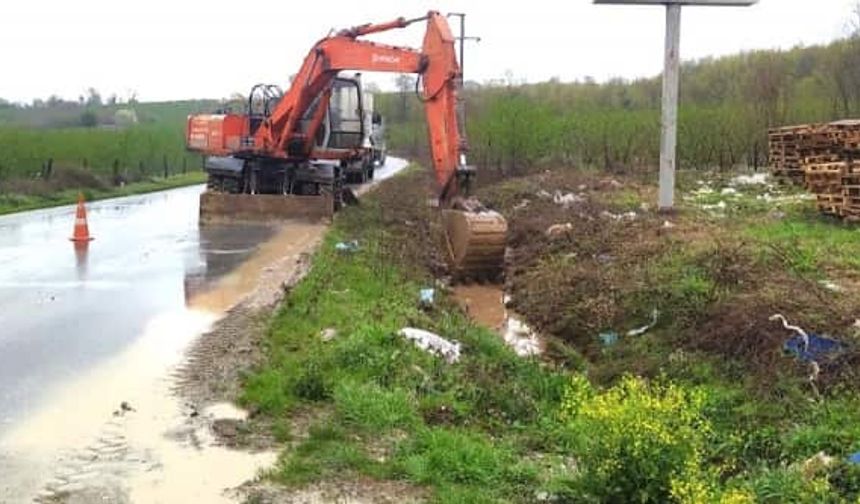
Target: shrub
639 442
780 485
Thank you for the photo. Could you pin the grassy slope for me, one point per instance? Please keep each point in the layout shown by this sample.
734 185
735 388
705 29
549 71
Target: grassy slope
10 203
497 428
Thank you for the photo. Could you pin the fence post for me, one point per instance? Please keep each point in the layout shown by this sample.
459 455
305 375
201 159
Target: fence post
115 170
50 167
184 164
166 168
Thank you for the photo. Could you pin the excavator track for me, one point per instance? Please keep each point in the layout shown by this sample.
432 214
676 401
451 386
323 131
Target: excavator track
476 243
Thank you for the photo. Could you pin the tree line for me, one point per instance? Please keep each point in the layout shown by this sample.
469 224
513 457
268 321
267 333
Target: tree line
727 106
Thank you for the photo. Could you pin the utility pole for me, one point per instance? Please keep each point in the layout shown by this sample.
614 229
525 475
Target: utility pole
461 102
671 84
669 121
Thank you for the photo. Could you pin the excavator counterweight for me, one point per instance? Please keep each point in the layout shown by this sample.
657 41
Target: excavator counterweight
285 159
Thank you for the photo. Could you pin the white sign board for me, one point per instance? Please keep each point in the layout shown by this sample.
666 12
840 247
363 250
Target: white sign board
715 3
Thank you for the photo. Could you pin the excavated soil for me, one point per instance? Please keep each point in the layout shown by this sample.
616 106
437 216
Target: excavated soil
590 264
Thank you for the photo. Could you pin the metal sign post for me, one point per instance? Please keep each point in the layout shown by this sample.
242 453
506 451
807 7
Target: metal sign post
461 100
671 78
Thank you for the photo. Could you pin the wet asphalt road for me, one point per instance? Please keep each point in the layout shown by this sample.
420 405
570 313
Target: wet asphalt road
64 310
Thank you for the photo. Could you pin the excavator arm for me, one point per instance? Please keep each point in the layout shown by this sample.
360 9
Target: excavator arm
436 64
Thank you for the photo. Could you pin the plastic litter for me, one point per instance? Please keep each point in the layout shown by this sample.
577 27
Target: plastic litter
433 343
854 458
644 329
831 286
426 296
557 230
521 338
800 332
816 348
567 200
350 246
755 179
328 334
608 338
628 216
728 191
816 464
721 205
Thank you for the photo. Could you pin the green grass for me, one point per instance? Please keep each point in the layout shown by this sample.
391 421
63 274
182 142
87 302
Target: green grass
811 242
447 424
371 407
10 203
139 150
495 427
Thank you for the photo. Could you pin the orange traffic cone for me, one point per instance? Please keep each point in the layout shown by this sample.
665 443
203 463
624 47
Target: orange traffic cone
82 231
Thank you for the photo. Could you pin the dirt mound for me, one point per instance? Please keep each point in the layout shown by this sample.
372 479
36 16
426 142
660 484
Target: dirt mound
587 258
412 231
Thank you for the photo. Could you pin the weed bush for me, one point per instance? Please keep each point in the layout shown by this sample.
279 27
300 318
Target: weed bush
639 441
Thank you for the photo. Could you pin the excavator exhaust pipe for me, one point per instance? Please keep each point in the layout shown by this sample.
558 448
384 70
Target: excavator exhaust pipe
223 208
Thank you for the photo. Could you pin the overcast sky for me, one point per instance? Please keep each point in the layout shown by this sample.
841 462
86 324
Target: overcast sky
175 49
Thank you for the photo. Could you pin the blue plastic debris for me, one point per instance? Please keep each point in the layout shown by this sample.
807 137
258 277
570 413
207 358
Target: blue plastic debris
608 338
855 458
818 347
426 296
350 246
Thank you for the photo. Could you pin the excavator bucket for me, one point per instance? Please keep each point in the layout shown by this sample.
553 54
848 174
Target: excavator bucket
223 208
476 243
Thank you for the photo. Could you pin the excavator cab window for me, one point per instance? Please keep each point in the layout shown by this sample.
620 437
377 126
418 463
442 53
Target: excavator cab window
346 114
262 99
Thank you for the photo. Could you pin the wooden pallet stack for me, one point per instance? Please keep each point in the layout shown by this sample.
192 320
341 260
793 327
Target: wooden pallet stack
824 179
822 157
785 151
851 191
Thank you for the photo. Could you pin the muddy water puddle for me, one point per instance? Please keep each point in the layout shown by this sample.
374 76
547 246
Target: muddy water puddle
120 434
486 305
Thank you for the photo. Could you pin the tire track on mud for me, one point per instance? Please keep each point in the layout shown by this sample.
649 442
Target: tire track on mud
137 453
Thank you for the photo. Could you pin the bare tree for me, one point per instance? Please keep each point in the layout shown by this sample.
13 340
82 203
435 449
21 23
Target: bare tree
94 98
405 84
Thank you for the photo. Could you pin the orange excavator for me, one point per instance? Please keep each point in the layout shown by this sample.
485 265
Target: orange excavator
281 167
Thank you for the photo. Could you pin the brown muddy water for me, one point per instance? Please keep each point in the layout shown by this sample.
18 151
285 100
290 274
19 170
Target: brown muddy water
486 305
